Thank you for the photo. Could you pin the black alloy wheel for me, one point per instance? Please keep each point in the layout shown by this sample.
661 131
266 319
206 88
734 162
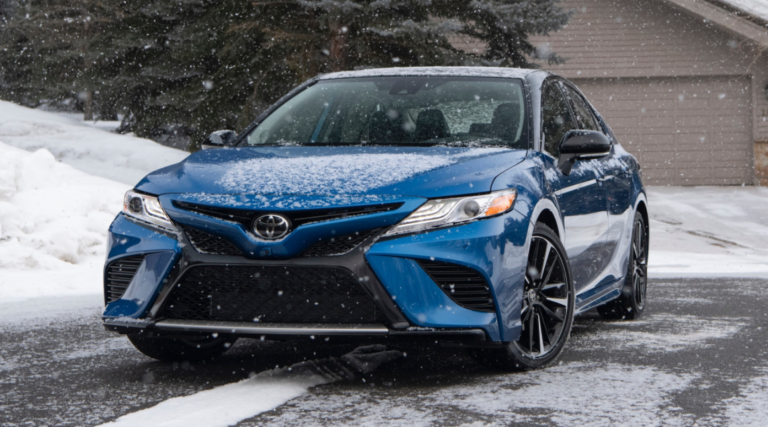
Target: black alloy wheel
547 308
631 304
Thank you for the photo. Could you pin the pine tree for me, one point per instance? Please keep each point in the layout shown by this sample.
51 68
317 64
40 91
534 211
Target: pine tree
45 49
194 66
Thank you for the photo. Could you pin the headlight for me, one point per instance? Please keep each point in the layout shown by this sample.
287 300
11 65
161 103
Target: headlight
444 212
146 208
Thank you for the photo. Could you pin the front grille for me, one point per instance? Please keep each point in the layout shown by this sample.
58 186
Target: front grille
207 243
119 276
338 245
464 285
271 294
297 218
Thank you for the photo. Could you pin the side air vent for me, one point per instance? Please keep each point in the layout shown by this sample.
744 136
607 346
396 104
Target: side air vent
207 243
338 245
464 285
119 276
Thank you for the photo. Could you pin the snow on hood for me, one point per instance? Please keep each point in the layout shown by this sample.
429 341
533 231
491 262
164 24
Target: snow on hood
344 173
335 170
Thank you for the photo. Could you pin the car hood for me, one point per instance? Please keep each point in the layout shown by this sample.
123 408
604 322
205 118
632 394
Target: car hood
403 171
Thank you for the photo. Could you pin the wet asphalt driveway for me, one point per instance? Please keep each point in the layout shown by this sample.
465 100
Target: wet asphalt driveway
698 356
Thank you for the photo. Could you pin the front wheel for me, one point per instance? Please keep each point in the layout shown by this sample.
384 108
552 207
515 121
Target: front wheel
547 308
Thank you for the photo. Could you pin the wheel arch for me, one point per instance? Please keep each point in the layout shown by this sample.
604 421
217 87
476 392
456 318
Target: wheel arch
547 218
547 212
642 208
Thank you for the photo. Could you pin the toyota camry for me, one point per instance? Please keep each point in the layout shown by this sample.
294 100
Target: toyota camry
473 207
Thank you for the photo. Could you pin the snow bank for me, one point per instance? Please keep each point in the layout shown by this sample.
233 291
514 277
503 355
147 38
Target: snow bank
708 231
53 225
121 158
758 8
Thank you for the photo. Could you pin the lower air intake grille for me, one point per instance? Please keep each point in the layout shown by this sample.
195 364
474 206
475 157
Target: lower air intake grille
119 276
271 294
338 245
207 243
464 285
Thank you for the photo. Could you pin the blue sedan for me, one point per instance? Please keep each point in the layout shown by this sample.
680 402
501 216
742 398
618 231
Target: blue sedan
474 207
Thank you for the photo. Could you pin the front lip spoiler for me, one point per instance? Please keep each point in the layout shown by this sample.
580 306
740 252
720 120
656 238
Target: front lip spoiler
246 328
193 327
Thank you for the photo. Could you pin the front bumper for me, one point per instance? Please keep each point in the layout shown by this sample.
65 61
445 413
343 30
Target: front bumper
411 302
184 328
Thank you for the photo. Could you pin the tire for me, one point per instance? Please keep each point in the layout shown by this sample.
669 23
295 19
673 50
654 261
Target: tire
632 302
547 312
192 350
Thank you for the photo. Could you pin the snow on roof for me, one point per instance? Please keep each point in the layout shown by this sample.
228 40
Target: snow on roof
758 8
434 71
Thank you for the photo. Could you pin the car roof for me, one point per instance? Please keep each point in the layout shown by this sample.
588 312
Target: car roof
434 71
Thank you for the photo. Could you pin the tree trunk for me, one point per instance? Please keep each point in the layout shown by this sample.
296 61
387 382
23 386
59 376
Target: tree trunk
338 43
88 105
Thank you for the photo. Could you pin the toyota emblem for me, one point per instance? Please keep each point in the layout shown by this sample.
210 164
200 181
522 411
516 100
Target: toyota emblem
271 227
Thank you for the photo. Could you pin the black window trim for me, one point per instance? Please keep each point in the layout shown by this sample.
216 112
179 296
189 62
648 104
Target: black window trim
604 128
557 81
597 115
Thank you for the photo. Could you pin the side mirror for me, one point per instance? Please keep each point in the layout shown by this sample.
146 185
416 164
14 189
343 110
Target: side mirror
219 139
582 144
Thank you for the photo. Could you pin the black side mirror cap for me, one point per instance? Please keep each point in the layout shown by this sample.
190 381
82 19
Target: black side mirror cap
582 144
219 139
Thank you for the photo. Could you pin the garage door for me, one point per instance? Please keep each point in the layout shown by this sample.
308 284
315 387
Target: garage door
684 131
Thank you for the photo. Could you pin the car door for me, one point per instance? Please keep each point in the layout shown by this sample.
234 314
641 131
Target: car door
618 186
581 195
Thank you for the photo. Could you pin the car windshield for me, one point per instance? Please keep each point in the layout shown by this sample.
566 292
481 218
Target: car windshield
400 111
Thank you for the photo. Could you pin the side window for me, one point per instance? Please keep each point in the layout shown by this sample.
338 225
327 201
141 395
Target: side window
555 118
584 116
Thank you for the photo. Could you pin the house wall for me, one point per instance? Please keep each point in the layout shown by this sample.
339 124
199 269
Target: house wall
716 129
760 80
641 38
683 130
609 40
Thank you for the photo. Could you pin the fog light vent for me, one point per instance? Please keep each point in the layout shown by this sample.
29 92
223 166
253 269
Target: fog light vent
464 285
119 276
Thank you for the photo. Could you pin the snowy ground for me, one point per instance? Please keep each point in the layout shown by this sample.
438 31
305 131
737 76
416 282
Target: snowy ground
697 358
708 231
64 183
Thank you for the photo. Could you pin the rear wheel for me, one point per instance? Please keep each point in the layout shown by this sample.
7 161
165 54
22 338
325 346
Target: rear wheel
171 349
631 304
547 309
